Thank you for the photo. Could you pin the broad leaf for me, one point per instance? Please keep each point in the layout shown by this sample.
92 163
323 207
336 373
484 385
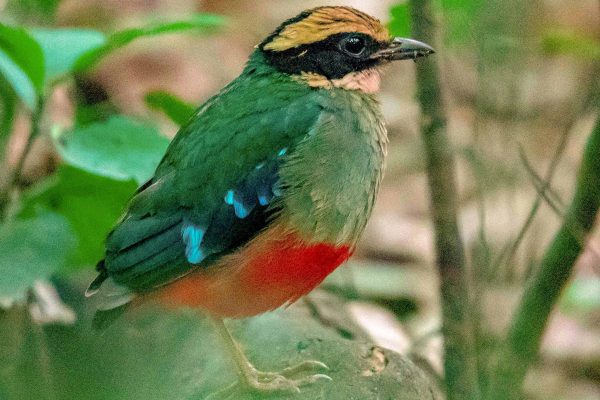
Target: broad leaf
119 148
32 249
22 63
175 108
400 24
90 203
63 47
202 22
88 114
18 80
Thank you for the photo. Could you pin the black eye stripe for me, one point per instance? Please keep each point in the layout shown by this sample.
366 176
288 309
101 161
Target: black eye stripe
333 57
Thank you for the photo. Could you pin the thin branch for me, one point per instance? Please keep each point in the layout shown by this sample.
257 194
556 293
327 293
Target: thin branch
556 204
508 253
459 361
543 188
15 173
543 290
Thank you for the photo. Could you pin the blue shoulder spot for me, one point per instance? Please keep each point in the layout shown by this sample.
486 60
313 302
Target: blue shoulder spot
263 199
195 255
243 202
229 197
258 188
241 206
192 236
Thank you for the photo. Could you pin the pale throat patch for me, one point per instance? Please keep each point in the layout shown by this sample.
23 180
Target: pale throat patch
367 81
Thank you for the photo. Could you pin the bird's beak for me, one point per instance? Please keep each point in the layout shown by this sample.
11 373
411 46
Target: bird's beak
404 49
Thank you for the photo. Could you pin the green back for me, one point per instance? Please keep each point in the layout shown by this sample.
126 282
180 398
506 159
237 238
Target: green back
320 152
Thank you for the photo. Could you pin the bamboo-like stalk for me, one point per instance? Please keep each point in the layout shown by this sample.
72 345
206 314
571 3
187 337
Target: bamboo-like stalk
459 358
544 289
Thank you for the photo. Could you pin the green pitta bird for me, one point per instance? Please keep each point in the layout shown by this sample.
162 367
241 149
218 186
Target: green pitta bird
268 187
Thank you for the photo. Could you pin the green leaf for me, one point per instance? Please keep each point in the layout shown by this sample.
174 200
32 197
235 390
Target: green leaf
119 148
571 43
202 22
18 80
22 63
63 47
175 108
25 52
87 114
32 249
400 24
8 102
89 202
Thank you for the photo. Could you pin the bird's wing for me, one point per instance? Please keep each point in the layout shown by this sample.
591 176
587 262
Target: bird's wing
215 187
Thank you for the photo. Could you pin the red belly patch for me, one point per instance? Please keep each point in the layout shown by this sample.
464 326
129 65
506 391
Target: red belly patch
274 269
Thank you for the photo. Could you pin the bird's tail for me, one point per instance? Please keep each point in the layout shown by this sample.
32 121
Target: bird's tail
114 299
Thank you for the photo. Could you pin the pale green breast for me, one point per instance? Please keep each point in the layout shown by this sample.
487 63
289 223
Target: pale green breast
332 177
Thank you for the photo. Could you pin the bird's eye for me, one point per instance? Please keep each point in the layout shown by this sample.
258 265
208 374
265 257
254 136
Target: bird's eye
354 45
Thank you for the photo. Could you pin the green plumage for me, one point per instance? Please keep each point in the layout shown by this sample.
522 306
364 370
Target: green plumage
326 147
269 185
334 172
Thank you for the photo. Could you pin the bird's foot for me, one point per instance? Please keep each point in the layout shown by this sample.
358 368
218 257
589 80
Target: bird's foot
288 380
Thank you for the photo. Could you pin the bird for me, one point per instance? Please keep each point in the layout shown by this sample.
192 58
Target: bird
268 186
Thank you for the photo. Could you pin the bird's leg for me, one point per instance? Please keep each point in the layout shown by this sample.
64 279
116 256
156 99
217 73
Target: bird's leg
287 380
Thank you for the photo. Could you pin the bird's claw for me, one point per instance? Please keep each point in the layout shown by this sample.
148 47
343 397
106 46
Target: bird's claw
276 382
289 372
309 365
283 381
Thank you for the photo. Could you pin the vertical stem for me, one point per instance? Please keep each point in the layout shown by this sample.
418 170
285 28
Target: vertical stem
15 174
543 290
460 360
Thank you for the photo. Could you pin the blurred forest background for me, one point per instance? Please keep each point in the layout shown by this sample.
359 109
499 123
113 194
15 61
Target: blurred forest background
521 90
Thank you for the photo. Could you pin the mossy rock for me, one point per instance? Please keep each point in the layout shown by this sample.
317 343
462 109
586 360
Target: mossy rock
153 353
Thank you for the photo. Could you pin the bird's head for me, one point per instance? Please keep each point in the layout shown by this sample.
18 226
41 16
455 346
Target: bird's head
337 47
